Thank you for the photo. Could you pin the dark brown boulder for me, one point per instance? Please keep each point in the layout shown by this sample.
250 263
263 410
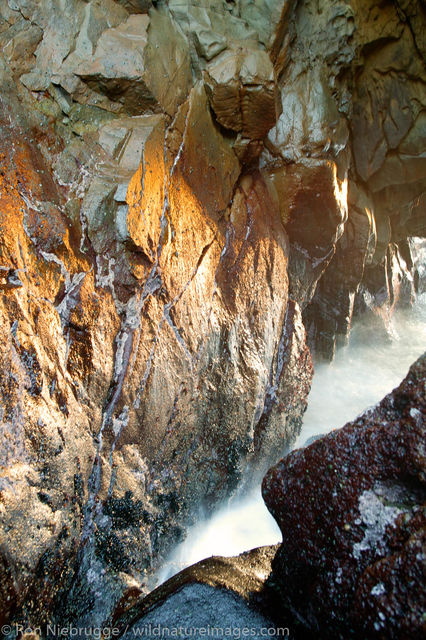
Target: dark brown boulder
350 508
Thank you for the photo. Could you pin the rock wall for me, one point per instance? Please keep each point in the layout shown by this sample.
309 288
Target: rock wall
352 97
177 178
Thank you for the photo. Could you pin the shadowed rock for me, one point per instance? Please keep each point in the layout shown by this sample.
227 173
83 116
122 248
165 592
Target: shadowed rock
351 510
173 197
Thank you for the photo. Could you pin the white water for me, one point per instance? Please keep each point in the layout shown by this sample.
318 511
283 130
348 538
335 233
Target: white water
361 374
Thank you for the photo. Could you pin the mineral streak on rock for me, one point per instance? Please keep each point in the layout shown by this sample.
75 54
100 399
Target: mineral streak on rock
144 289
172 206
351 510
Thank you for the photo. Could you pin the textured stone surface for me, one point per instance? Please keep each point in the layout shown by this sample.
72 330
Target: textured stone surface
351 94
351 510
134 261
242 91
200 607
173 189
197 609
236 582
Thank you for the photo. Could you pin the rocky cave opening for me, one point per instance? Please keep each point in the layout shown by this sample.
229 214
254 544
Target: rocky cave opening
199 199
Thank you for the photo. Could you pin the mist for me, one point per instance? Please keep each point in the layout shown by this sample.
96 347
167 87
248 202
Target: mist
375 361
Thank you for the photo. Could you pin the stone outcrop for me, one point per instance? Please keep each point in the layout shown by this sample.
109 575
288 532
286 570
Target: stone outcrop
184 185
351 510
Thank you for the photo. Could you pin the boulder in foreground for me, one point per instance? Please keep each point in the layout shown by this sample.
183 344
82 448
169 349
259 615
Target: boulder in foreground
217 597
351 510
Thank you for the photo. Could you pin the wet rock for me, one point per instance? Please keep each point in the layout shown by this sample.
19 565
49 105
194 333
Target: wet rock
218 592
202 608
350 508
387 284
328 316
380 108
143 257
159 244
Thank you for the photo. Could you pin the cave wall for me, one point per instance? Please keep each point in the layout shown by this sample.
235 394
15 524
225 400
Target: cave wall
182 182
352 92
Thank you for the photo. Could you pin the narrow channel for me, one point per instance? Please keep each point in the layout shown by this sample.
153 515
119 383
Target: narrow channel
374 362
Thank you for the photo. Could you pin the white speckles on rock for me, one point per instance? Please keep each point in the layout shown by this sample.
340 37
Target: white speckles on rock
376 517
378 589
118 424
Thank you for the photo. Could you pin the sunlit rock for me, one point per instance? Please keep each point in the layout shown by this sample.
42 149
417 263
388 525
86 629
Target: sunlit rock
145 196
166 233
203 157
143 311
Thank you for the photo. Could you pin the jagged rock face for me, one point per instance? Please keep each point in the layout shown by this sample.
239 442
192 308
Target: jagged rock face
151 351
351 510
174 186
